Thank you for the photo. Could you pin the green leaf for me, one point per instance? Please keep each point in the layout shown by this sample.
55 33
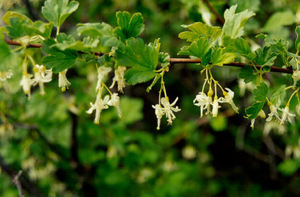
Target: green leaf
261 92
297 43
253 111
137 75
19 25
198 48
57 59
265 56
289 166
137 54
238 46
57 11
220 57
200 30
278 20
129 26
247 74
234 22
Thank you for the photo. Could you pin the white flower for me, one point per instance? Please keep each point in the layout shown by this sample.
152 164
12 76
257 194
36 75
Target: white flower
159 112
41 76
165 109
215 107
296 76
169 109
229 99
243 86
273 125
115 101
119 78
4 75
26 83
102 73
203 101
273 113
63 82
286 115
98 106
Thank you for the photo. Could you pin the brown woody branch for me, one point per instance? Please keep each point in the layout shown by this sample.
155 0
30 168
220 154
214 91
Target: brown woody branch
174 60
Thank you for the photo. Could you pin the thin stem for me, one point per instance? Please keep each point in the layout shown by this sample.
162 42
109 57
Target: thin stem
107 89
214 11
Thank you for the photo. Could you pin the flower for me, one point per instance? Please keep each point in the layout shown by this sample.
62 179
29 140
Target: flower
102 72
273 113
159 112
119 78
63 82
115 101
273 125
286 115
296 76
26 83
165 109
4 75
243 86
203 101
41 76
229 99
215 107
169 109
98 106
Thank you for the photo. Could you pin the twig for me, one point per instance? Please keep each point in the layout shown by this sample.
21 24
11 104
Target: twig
173 60
18 184
234 64
28 186
214 11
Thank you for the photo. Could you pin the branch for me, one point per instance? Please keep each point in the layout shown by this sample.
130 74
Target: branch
214 11
173 60
29 186
234 64
74 139
16 181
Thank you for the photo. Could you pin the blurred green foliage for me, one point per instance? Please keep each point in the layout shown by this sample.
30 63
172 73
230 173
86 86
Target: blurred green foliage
128 157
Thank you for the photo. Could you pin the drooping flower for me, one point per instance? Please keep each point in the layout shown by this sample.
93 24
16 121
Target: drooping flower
166 108
273 113
274 125
202 101
63 82
169 109
4 75
215 107
99 105
26 83
115 101
229 99
119 78
41 76
159 112
102 73
286 115
296 76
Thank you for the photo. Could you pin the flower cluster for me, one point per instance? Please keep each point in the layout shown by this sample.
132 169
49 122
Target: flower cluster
4 75
211 104
109 100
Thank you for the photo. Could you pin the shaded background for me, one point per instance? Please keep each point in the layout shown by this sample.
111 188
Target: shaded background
62 153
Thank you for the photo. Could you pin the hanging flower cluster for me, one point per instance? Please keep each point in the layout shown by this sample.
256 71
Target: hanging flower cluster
109 100
210 102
